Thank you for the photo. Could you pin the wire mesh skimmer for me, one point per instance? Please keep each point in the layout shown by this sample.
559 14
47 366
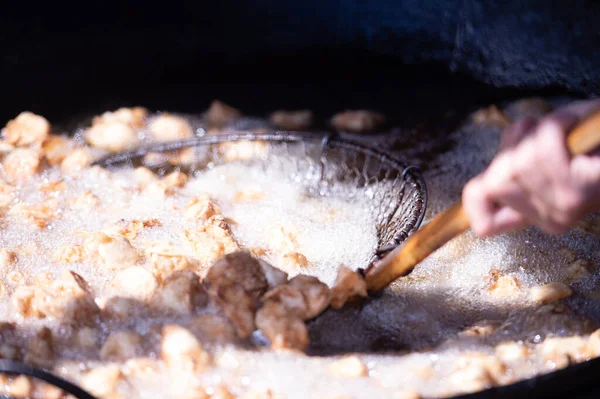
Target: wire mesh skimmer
323 164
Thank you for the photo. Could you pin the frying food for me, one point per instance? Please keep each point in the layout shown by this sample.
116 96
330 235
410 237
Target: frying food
216 284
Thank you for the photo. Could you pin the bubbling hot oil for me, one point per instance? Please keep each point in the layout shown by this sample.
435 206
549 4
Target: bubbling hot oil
422 315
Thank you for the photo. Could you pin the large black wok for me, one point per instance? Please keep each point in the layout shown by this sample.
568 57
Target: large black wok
413 60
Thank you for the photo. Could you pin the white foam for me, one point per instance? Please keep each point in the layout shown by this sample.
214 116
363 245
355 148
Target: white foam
445 294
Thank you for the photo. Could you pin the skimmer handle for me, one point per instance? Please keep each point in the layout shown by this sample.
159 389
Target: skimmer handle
584 138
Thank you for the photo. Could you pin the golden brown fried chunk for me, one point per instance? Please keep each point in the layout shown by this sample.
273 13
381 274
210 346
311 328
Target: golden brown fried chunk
348 367
292 120
69 299
121 308
135 227
283 329
76 161
248 195
134 117
578 270
237 304
360 121
20 165
86 200
563 351
213 328
243 150
6 195
121 346
504 286
69 254
112 136
164 265
39 214
273 275
135 282
21 387
57 148
144 176
480 328
238 268
53 187
181 350
294 262
25 300
181 292
316 294
102 381
15 278
86 337
27 128
490 116
40 349
10 347
176 179
512 351
201 209
550 293
167 127
113 252
7 258
476 372
290 297
220 114
348 284
212 240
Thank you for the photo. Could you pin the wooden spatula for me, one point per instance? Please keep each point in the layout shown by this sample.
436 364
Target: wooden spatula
583 139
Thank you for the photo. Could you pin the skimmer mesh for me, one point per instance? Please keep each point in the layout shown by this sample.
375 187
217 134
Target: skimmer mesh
325 165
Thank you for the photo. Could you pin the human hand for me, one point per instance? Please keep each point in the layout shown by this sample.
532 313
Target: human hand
533 180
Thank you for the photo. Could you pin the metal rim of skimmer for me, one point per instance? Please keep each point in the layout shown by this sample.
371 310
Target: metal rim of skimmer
391 234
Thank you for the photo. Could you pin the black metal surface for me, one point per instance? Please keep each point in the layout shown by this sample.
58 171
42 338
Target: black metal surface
577 381
18 368
61 59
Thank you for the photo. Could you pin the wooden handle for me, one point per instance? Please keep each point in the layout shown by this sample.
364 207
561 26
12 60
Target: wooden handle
453 221
585 137
403 259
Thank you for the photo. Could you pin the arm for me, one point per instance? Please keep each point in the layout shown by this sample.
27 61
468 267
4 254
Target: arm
533 180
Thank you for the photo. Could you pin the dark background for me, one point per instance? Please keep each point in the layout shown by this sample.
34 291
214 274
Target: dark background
410 58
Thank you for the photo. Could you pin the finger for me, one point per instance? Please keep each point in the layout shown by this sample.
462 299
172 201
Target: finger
585 170
550 139
478 207
502 186
506 219
560 193
521 201
511 194
494 188
532 179
516 132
